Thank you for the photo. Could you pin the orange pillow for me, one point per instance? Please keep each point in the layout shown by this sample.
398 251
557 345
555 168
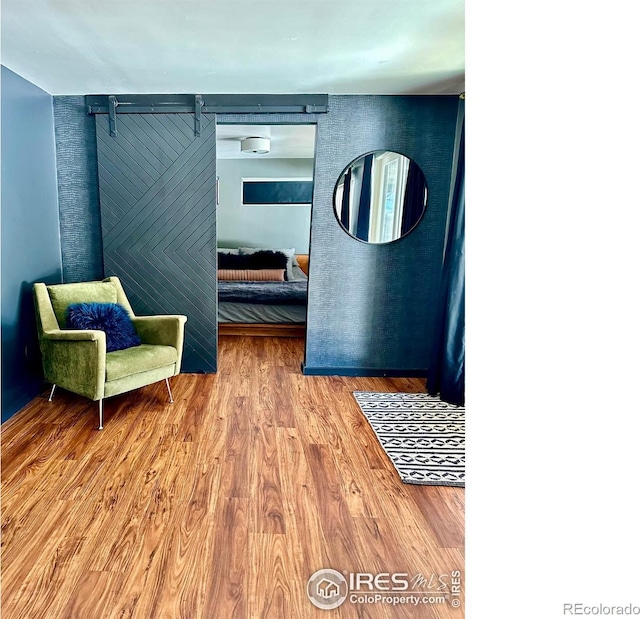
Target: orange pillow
303 263
251 275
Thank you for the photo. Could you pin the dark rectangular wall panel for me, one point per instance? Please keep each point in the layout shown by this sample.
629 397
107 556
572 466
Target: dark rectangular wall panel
157 202
276 192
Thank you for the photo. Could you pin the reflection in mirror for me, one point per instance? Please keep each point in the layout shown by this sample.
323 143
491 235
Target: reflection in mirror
380 196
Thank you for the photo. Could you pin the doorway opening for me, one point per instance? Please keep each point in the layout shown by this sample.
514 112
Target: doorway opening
263 212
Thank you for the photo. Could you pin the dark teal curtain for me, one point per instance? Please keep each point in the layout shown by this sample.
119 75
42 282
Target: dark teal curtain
364 210
413 198
446 375
346 192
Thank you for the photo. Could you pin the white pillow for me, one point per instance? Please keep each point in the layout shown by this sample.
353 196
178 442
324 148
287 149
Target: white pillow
298 273
290 253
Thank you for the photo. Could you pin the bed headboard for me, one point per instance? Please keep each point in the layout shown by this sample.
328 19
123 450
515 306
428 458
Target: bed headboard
303 262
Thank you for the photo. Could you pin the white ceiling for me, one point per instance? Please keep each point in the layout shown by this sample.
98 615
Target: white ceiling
287 141
236 46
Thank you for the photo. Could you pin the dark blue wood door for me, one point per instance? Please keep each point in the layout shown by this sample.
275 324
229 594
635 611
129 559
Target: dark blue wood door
157 201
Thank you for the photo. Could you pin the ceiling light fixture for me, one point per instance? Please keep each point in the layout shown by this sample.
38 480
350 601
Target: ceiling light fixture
257 146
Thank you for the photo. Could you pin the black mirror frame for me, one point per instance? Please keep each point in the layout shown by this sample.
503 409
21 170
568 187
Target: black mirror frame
342 174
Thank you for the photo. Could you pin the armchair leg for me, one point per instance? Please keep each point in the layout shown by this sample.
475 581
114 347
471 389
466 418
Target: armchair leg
53 388
166 380
100 413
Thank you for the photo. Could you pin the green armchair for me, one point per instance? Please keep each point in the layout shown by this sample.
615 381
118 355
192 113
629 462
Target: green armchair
78 361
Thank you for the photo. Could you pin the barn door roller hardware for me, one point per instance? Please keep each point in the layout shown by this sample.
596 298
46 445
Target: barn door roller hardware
206 104
113 104
198 113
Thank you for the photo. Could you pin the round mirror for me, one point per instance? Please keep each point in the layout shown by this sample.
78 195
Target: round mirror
380 197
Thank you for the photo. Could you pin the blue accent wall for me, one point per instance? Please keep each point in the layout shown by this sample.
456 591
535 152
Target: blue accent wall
30 231
372 307
80 234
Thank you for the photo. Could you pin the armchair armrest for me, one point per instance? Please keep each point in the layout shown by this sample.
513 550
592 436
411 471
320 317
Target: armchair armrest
75 360
165 330
74 335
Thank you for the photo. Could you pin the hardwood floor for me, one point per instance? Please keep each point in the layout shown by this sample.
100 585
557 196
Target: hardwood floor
222 504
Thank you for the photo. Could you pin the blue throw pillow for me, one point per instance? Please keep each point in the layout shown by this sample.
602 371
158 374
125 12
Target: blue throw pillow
111 318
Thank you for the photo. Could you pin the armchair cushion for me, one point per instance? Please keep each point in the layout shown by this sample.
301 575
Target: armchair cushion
111 318
63 295
138 359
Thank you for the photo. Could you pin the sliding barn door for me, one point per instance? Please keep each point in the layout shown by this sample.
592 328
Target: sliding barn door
157 201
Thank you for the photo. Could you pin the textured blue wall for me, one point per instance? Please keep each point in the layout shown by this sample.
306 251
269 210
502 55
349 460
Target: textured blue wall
371 307
30 232
78 193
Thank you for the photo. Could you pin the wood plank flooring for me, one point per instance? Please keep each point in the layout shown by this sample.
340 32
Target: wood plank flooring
220 505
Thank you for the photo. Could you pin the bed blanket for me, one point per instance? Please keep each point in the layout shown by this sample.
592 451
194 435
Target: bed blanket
264 293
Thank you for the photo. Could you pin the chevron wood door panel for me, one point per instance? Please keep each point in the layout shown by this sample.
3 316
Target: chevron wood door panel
157 202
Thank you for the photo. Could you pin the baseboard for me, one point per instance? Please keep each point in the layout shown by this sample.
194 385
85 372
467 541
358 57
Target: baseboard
340 371
262 329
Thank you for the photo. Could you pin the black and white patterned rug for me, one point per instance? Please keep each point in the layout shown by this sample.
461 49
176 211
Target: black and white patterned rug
423 436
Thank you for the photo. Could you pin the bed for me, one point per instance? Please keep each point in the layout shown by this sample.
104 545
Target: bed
262 292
